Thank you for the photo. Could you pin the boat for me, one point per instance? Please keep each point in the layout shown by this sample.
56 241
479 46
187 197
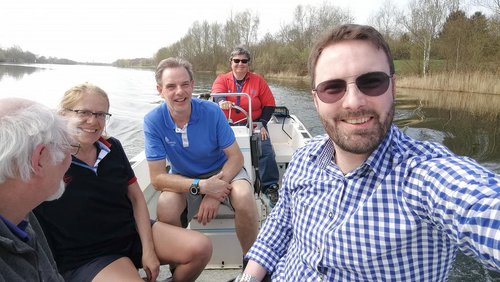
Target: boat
287 133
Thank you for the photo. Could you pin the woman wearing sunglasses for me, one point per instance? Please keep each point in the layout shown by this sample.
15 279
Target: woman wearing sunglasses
241 80
100 229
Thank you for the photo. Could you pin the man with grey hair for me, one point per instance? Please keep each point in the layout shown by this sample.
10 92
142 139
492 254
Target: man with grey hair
35 152
206 163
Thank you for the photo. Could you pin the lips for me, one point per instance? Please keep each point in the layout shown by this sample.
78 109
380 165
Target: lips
180 100
359 120
88 130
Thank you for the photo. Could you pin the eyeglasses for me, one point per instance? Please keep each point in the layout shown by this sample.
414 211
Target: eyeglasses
84 114
370 84
243 61
74 148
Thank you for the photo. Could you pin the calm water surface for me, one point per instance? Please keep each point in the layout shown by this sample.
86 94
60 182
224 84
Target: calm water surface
468 124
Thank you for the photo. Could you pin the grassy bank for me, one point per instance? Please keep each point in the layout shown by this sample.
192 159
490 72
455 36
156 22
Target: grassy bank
475 82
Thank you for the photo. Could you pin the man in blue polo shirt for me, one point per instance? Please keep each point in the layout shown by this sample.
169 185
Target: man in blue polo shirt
35 152
206 164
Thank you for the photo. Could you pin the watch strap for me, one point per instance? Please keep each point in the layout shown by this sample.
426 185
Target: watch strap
194 189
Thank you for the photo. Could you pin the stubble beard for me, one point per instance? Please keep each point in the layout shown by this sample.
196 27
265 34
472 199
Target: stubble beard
360 141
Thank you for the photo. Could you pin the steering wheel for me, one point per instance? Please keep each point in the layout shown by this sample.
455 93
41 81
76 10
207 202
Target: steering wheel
239 109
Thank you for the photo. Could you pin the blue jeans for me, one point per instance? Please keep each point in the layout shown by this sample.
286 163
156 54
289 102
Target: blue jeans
268 169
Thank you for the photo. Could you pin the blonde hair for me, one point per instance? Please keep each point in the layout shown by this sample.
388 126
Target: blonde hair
73 95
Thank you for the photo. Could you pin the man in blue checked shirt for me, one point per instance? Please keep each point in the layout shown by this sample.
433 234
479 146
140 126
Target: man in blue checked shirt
366 202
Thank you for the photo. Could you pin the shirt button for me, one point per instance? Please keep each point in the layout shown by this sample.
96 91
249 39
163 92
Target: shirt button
330 214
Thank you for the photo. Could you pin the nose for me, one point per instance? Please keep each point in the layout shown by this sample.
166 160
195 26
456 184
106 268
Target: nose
92 118
353 97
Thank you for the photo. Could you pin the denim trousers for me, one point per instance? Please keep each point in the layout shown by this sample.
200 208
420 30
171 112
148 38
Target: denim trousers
268 169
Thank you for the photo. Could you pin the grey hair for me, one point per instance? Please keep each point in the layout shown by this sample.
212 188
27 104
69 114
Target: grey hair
240 50
170 63
24 129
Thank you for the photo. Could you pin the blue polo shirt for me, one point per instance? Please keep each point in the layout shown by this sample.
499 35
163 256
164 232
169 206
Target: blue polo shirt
195 149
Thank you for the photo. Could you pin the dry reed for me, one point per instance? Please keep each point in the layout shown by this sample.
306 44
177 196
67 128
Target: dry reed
475 82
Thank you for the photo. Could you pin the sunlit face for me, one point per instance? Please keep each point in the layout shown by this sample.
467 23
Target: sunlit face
356 123
89 129
240 69
176 90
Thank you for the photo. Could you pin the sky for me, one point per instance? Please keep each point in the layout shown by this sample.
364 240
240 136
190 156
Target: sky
107 30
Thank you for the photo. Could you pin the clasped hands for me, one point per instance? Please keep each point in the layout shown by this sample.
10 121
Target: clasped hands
216 190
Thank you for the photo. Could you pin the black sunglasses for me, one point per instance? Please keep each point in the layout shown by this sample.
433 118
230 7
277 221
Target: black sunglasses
370 84
237 61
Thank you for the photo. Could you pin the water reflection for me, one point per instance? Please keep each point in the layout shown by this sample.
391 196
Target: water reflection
466 124
16 71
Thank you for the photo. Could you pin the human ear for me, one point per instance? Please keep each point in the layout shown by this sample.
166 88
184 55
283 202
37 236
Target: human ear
315 99
393 79
37 157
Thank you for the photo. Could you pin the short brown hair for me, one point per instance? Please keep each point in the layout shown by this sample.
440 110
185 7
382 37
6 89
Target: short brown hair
347 32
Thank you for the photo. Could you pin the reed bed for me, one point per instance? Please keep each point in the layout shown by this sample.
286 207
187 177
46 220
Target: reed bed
474 82
485 105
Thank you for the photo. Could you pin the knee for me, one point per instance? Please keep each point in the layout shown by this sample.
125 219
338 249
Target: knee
243 200
169 209
203 248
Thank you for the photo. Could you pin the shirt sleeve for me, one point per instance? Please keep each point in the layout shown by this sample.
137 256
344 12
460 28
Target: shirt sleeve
220 85
276 234
266 96
153 143
118 148
226 134
461 199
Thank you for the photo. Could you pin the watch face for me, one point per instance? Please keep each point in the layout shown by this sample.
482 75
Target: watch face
194 190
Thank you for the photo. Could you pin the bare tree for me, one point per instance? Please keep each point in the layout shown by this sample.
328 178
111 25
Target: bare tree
385 19
241 29
424 21
492 5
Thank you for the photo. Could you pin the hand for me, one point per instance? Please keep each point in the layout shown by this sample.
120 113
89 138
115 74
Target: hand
208 210
215 187
151 265
263 133
226 105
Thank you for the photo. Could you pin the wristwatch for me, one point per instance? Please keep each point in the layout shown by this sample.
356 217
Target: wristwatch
194 189
245 277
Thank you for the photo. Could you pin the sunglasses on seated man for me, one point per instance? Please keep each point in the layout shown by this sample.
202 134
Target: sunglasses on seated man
370 84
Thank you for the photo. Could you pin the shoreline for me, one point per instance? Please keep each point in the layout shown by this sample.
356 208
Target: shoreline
470 83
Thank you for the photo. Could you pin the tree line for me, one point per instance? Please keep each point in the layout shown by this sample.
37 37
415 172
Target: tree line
429 36
15 55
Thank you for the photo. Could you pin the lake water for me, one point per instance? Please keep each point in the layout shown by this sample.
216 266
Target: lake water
468 124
